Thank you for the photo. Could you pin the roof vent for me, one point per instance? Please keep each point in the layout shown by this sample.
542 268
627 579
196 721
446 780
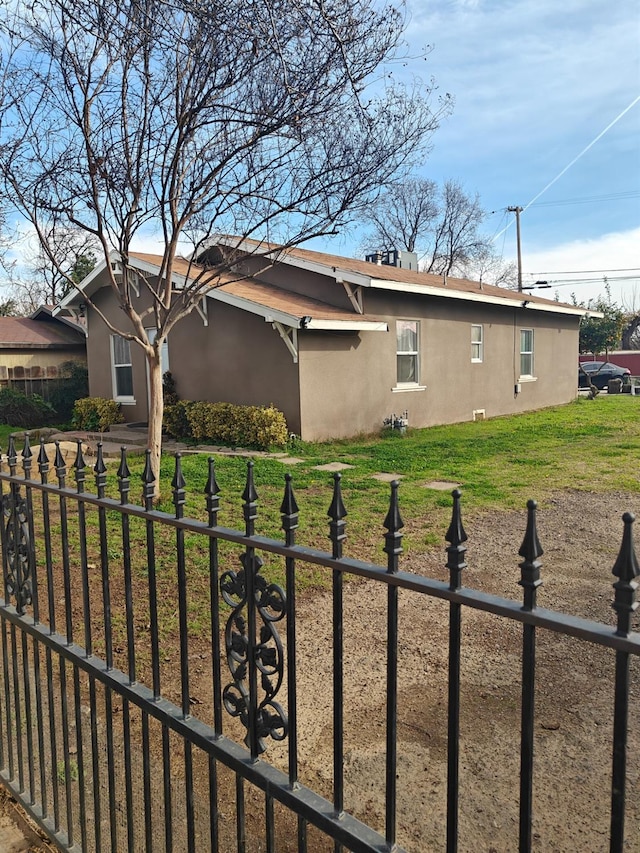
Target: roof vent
394 258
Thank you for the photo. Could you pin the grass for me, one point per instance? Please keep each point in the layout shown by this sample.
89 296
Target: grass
590 445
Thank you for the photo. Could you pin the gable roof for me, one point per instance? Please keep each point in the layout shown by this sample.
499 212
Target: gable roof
278 305
384 277
247 293
25 332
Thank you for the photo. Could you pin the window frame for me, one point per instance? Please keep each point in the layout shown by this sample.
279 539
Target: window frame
414 384
528 354
479 357
120 366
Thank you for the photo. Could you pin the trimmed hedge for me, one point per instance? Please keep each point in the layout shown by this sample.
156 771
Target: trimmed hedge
247 426
96 413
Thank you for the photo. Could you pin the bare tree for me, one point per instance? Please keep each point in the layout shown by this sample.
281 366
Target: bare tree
190 119
441 224
41 280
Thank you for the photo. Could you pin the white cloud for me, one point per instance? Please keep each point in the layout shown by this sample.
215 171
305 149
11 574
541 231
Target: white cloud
618 254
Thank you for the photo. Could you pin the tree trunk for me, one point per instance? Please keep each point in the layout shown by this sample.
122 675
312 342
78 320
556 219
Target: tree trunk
156 407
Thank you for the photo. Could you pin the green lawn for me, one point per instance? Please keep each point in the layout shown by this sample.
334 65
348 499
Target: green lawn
591 445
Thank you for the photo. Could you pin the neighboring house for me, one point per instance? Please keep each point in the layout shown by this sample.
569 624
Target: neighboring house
33 349
340 344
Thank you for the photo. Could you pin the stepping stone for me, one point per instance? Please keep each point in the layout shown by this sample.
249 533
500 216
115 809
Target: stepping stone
387 478
288 460
441 485
333 466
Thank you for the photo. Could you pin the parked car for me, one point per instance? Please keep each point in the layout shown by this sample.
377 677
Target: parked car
600 372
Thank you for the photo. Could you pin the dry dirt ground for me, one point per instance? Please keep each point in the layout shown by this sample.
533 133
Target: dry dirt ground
581 535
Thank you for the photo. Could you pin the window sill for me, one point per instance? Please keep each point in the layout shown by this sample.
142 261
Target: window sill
411 387
125 401
477 361
527 379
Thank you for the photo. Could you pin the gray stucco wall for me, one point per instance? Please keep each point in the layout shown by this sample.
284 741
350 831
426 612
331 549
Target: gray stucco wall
346 396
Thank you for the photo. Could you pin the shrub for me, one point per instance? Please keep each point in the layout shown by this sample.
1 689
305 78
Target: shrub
72 385
20 410
169 392
96 413
175 421
250 426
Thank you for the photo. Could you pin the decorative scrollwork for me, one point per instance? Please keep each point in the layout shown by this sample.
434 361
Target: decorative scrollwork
18 574
262 651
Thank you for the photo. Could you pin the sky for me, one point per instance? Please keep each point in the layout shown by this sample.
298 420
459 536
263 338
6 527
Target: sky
546 118
535 82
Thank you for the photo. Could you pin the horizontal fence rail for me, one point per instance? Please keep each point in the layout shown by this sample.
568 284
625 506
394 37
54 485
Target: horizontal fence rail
150 666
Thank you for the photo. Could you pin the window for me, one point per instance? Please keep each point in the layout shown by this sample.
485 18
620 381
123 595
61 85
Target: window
526 352
122 368
164 352
476 343
407 352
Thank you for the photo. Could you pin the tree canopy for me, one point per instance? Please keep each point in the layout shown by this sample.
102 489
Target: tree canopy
601 334
276 119
440 223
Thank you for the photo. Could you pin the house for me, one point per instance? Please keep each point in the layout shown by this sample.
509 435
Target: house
34 349
340 344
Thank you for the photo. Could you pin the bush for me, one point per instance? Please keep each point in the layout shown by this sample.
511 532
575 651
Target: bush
96 413
17 409
175 421
72 385
250 426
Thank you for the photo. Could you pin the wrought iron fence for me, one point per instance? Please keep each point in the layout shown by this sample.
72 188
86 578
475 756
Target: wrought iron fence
149 670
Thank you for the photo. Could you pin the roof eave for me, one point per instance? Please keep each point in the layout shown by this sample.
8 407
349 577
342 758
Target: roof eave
485 298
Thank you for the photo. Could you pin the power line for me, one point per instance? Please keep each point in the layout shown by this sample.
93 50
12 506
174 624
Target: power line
577 157
580 272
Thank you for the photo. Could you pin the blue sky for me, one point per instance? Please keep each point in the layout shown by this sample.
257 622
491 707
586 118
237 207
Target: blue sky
535 82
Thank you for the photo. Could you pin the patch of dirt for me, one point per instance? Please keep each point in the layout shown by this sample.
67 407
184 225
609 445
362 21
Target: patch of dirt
581 535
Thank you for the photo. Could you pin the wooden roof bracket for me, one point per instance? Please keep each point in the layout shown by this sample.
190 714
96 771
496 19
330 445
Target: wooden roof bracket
354 292
202 309
290 338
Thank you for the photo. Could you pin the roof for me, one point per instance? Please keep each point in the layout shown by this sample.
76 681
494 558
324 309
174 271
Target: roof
25 332
380 276
279 305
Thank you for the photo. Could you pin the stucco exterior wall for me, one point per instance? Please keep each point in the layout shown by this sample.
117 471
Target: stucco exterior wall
236 358
346 382
346 396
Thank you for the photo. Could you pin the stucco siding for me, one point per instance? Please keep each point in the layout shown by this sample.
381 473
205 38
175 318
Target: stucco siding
346 393
238 358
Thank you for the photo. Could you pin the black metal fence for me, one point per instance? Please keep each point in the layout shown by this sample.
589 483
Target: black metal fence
147 673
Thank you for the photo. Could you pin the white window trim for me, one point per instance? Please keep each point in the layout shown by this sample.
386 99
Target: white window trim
125 400
528 377
479 344
409 386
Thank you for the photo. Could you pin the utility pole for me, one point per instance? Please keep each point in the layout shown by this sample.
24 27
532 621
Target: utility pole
518 211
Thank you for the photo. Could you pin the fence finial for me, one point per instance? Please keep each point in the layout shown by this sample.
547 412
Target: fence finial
124 475
27 454
456 537
178 485
79 465
289 510
61 468
43 462
212 491
337 513
626 568
12 456
394 524
148 479
530 566
250 498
